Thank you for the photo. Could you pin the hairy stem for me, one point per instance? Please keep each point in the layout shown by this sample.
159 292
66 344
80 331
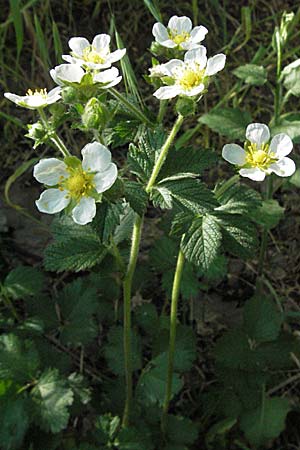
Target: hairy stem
54 136
127 282
172 339
136 111
264 238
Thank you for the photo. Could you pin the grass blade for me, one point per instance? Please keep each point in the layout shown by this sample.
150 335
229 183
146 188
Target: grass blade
15 10
57 42
41 42
153 7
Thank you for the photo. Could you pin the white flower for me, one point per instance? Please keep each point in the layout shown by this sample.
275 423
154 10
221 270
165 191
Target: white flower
77 186
158 71
259 157
35 99
191 76
179 33
95 56
72 73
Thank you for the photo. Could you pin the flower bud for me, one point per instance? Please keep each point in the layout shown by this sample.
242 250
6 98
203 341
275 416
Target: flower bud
185 106
95 114
37 132
69 94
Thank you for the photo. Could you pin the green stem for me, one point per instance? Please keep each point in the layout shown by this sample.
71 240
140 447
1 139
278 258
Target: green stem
136 111
230 182
127 285
264 238
127 282
164 152
162 110
54 136
172 341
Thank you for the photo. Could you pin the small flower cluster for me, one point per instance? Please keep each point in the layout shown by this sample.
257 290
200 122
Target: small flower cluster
188 77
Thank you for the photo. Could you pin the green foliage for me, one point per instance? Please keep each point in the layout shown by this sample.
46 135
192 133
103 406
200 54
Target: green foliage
291 77
52 397
180 430
237 198
14 421
136 197
107 219
268 214
228 122
23 281
252 74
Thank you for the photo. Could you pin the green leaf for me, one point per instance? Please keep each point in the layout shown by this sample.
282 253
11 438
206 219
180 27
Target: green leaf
229 122
187 162
153 7
290 125
181 430
291 77
23 281
107 219
265 422
79 387
19 359
262 320
147 318
202 242
77 305
232 349
141 159
136 197
220 429
51 398
14 421
237 199
239 235
268 214
114 352
189 194
251 74
15 11
133 439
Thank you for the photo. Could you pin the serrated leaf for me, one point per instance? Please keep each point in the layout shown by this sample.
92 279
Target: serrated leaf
201 243
265 422
23 281
251 74
136 197
161 197
77 305
19 359
237 199
79 387
51 399
14 421
187 162
181 430
239 234
124 230
162 255
229 122
107 219
289 124
147 318
268 214
262 320
114 352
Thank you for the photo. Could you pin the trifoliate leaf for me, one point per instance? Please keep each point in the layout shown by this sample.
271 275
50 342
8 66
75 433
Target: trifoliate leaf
251 74
136 197
262 320
14 421
181 430
202 241
114 351
237 199
51 398
268 214
23 281
77 305
19 359
265 422
229 122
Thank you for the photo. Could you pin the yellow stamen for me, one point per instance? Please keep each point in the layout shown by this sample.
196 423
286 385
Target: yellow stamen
179 38
191 78
259 157
90 54
79 184
42 92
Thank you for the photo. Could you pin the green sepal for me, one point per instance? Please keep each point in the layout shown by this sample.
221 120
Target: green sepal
72 161
185 106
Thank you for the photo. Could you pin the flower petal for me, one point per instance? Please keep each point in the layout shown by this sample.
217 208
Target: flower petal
78 44
95 157
180 25
106 76
85 211
198 34
14 97
171 66
196 55
34 101
234 154
101 41
285 167
71 73
281 145
165 92
54 92
116 55
52 201
215 64
104 180
70 59
160 32
49 171
258 133
112 83
254 174
194 91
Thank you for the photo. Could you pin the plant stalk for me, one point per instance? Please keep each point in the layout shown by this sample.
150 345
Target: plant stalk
172 339
264 238
127 282
54 136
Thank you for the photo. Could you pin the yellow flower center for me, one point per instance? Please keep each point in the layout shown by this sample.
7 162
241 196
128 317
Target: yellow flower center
180 38
191 78
90 54
78 184
40 92
261 157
